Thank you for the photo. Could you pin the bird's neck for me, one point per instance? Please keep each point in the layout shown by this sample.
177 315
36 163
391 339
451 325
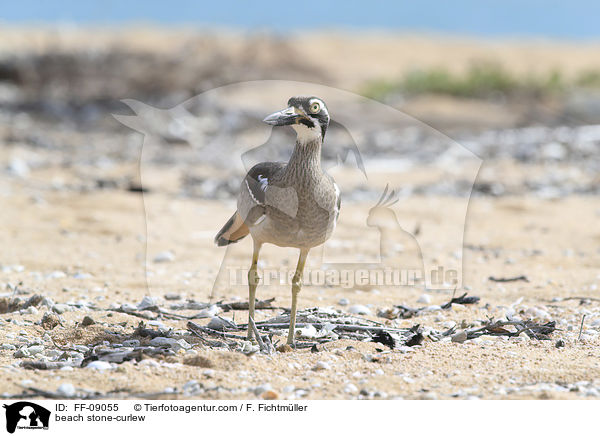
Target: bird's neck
306 158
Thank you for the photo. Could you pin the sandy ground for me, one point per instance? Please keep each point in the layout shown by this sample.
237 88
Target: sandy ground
100 246
555 243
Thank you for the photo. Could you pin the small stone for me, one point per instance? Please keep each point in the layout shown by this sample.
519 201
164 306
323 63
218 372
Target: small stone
359 309
460 337
208 312
219 323
560 344
184 344
248 348
208 373
82 276
164 256
21 352
321 365
425 299
147 302
31 310
258 390
172 297
270 395
99 365
344 302
350 389
284 348
87 320
191 387
161 341
61 308
131 343
56 275
8 347
35 349
18 167
66 389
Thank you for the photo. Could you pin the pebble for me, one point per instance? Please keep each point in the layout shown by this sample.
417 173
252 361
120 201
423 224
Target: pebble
258 390
61 308
343 302
99 365
131 343
164 256
191 387
21 352
66 389
359 309
425 299
8 347
35 349
175 344
56 275
82 276
208 312
350 388
208 373
321 365
460 337
147 302
87 320
248 348
270 395
219 323
31 310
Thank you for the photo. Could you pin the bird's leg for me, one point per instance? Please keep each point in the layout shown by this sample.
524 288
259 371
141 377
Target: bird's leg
253 279
296 285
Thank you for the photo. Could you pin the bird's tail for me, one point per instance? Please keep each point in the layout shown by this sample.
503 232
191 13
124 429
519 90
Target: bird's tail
233 230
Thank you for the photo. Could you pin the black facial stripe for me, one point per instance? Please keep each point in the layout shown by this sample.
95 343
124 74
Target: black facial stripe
308 123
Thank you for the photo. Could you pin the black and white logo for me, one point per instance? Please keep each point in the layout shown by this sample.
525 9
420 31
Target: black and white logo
26 415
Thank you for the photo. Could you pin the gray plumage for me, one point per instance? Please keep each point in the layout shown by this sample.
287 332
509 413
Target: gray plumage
293 204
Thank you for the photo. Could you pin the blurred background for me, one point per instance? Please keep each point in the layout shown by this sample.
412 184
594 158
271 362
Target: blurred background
517 83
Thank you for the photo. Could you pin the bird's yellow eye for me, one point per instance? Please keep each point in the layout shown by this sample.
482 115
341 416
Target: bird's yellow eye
315 107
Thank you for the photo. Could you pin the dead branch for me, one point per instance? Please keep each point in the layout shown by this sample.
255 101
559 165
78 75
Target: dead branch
507 279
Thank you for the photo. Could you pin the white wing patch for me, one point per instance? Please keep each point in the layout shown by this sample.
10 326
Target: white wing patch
264 182
337 196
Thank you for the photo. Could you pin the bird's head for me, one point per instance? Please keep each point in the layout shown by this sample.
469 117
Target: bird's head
308 116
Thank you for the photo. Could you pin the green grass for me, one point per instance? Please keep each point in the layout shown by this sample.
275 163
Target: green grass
483 79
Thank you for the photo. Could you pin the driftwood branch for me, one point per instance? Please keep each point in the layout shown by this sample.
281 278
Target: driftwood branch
508 279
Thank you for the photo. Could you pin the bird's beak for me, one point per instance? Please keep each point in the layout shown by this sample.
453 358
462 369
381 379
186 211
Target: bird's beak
284 117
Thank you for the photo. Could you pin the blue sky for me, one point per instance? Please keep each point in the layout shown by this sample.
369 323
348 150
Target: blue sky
575 19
